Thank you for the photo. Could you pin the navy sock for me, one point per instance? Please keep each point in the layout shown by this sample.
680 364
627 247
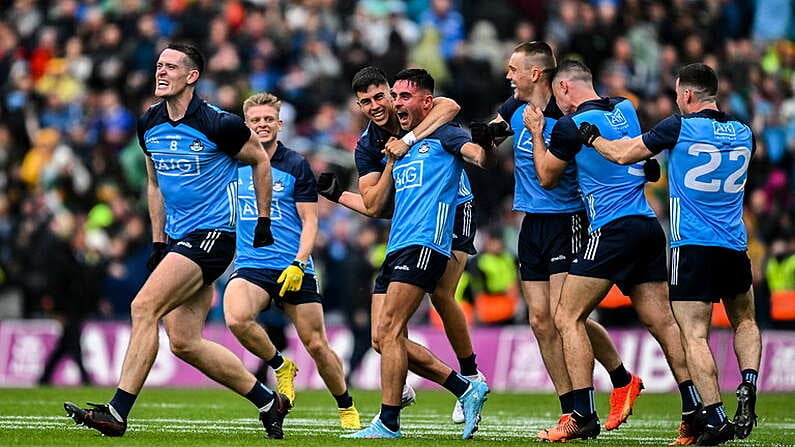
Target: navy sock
456 384
750 376
619 376
276 361
584 408
716 414
566 402
390 416
468 365
122 402
344 400
691 400
260 395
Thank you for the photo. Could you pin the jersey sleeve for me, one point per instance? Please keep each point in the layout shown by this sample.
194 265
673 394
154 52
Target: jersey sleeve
453 138
664 135
305 186
508 108
563 142
140 129
231 133
367 158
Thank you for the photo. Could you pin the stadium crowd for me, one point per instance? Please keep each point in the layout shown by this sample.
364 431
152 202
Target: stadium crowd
76 74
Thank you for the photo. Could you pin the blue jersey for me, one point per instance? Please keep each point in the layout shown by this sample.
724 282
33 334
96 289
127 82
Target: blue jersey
707 168
609 190
293 182
193 159
426 186
528 195
369 158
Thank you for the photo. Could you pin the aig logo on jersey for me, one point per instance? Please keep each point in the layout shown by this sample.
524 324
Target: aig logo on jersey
616 118
723 130
196 145
408 175
177 166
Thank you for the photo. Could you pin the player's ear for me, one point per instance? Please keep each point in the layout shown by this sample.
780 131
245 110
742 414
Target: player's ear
193 76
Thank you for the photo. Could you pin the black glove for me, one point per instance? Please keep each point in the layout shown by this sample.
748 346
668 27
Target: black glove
262 233
159 251
329 187
588 133
481 135
500 129
652 170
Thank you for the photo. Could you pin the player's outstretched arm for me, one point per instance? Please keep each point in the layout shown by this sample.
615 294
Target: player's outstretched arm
328 186
623 152
443 111
377 191
477 155
253 154
157 212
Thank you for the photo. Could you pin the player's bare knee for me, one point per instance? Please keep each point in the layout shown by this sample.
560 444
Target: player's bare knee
143 310
543 326
236 322
183 347
316 346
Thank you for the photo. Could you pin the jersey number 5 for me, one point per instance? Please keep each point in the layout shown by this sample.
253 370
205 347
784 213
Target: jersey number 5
731 184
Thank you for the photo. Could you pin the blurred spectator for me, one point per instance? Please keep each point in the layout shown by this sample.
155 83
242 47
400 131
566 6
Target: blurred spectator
494 278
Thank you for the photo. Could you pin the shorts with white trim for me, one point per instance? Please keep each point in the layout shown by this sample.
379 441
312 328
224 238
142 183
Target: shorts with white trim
701 273
266 279
548 243
464 229
627 251
211 250
417 265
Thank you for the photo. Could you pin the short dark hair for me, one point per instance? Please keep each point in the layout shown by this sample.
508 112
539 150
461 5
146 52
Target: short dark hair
195 57
366 77
576 69
417 76
546 57
701 79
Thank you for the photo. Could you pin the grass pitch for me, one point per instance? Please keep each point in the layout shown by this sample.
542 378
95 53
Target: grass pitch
216 417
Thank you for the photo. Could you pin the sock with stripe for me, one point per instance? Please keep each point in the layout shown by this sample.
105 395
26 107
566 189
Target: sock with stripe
716 414
276 361
456 384
583 409
122 403
691 400
750 376
390 416
566 402
260 396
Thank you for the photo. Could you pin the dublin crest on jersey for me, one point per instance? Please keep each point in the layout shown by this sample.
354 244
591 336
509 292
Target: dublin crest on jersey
196 145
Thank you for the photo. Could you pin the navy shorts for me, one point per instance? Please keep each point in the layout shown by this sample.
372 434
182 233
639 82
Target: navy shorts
548 243
266 280
464 229
211 250
415 264
701 273
628 251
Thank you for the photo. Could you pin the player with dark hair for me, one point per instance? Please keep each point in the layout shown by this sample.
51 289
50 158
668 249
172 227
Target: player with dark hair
708 163
193 150
427 181
375 183
553 229
625 245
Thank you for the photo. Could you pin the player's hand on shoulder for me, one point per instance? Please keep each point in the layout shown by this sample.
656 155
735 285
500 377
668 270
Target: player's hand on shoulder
262 233
587 133
533 119
396 148
329 187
